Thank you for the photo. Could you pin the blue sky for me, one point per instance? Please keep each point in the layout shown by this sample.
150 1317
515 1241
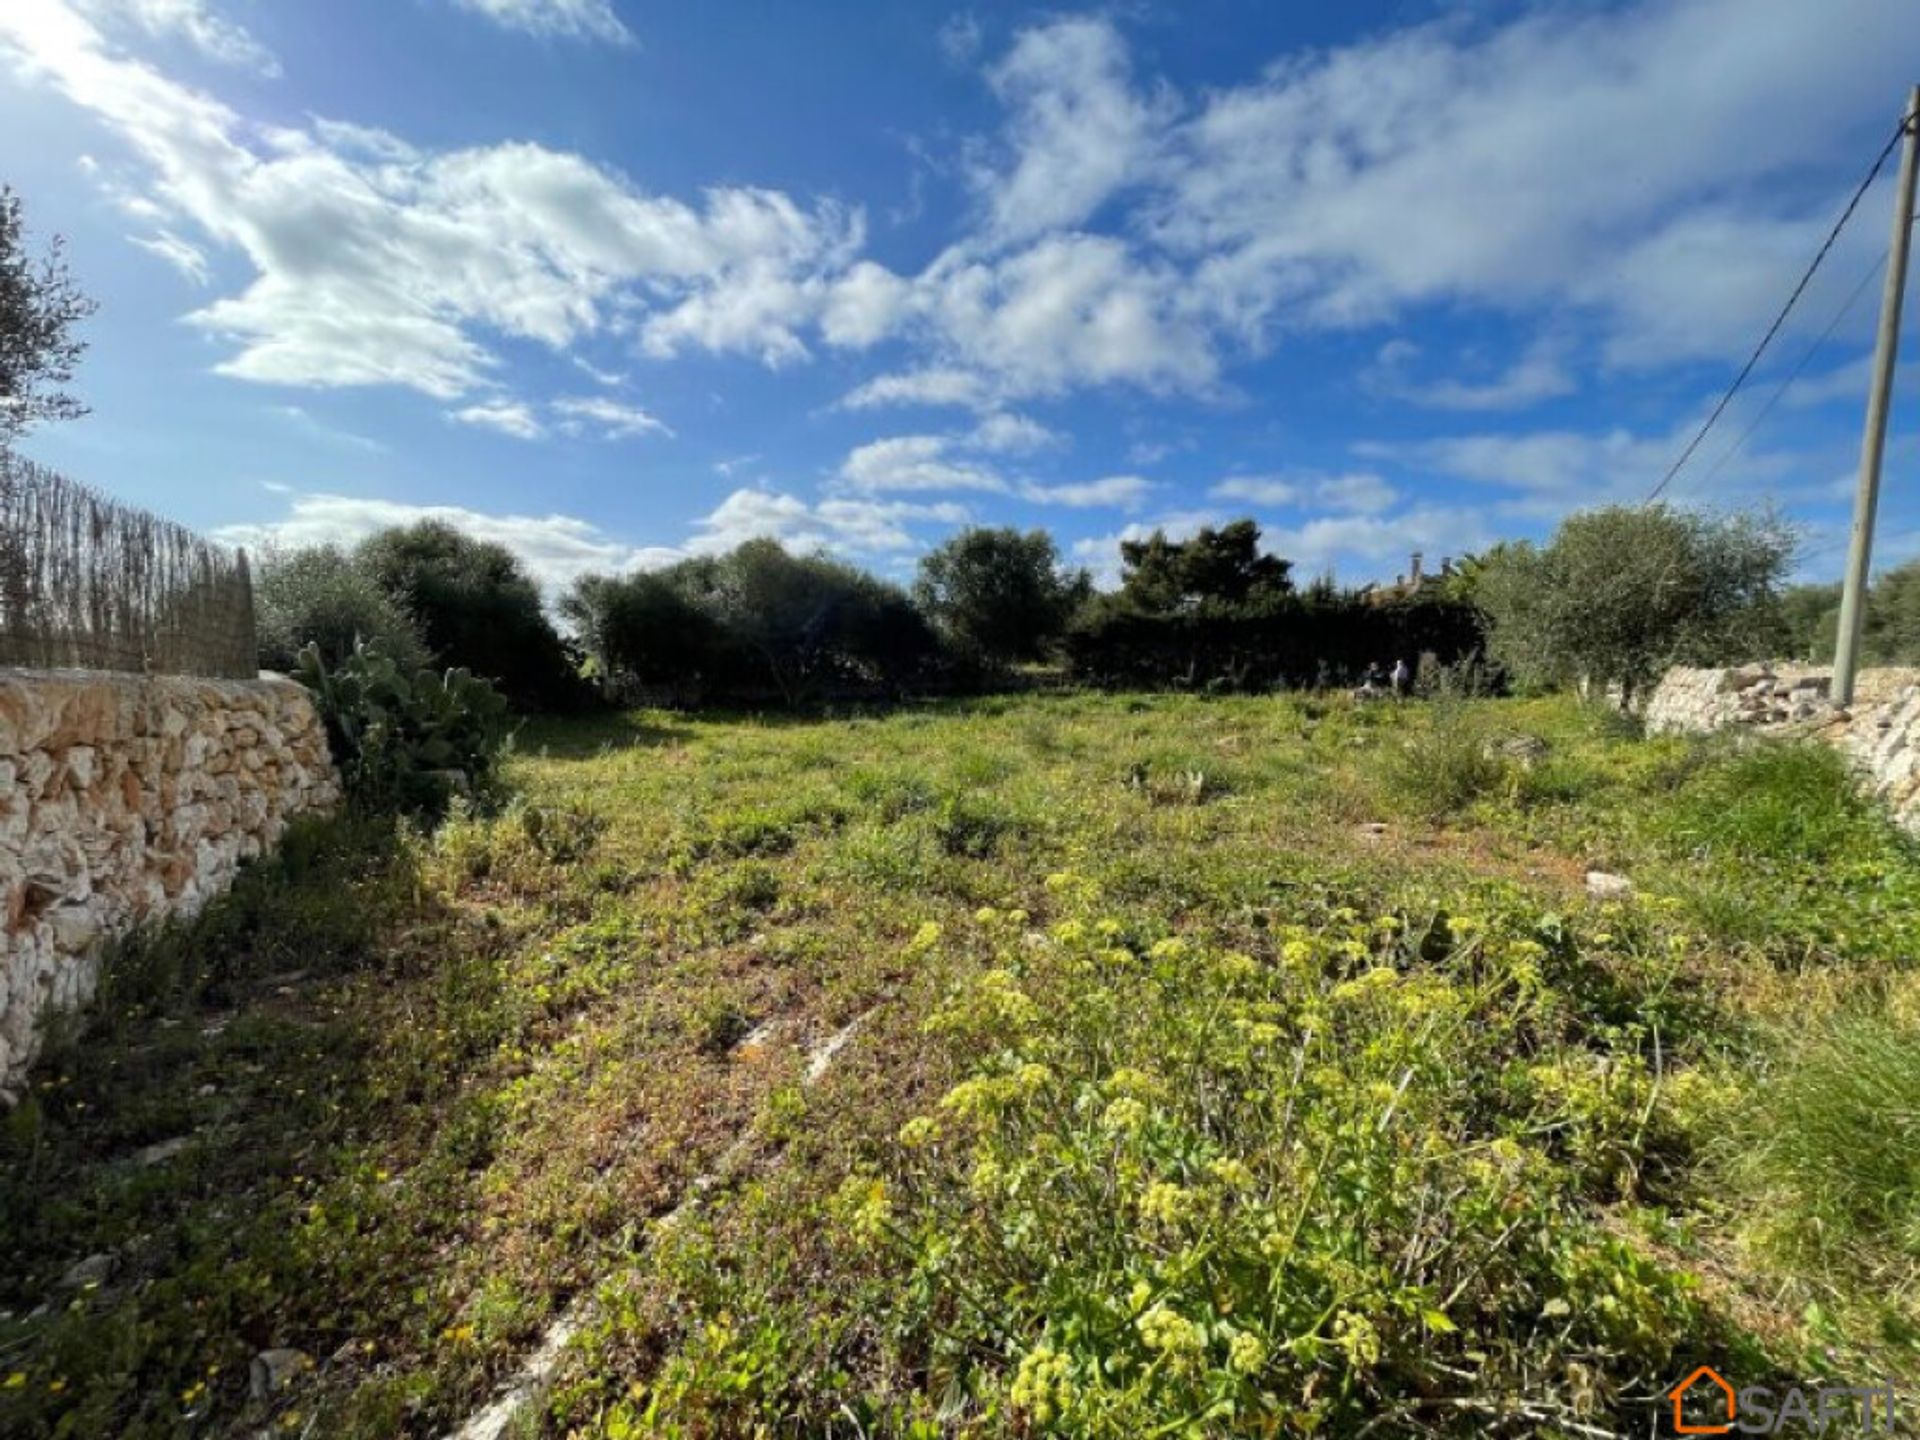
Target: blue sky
616 281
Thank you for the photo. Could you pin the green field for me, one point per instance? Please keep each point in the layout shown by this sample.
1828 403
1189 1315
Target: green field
1253 1066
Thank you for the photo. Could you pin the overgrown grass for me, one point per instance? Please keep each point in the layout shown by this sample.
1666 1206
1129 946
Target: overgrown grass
1834 1134
1448 759
1225 1066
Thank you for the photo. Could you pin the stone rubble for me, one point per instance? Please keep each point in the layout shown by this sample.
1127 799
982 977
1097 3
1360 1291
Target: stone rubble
1879 733
125 800
1603 885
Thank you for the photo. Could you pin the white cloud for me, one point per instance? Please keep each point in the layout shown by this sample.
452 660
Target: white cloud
1550 472
563 19
182 255
940 385
1069 310
873 527
556 549
1119 492
612 379
1004 433
1269 490
195 22
1066 311
1283 204
1359 491
959 37
757 312
574 415
1152 452
1540 373
321 430
1415 171
616 421
509 417
860 527
378 264
864 306
1688 211
914 462
1077 128
1372 546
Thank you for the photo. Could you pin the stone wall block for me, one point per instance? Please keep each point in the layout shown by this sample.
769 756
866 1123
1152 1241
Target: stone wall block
127 800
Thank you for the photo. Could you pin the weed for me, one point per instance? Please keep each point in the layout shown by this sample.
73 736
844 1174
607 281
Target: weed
1415 1120
1834 1134
1792 804
971 826
1446 764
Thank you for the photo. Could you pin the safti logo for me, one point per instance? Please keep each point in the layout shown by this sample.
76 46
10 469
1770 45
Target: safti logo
1718 1409
1712 1391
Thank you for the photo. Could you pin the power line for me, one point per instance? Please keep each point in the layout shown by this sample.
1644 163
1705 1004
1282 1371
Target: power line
1794 374
1786 309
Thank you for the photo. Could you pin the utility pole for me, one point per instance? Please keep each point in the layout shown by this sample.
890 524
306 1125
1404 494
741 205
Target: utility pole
1873 444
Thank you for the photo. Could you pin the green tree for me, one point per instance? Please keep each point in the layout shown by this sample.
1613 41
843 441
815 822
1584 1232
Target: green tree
1218 569
999 595
1891 633
648 628
477 608
39 306
320 597
1621 593
1809 621
1462 583
808 619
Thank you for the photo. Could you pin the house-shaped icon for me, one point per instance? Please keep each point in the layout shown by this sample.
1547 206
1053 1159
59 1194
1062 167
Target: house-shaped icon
1678 1395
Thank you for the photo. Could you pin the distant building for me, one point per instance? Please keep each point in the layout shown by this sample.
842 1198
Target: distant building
1405 587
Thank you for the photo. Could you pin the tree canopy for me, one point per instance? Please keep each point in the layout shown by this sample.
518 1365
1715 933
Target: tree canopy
476 607
999 595
756 619
320 597
1216 569
1622 592
39 307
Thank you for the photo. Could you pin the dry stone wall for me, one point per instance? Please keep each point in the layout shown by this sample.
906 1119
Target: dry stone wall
1879 732
126 799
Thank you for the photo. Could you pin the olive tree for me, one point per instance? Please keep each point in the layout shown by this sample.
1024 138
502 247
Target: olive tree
39 306
806 619
648 628
318 596
998 595
1620 593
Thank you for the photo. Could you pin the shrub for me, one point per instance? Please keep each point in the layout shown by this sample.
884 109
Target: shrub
755 623
1176 1189
645 631
1216 568
405 743
1781 803
804 622
999 595
1317 639
320 597
477 609
1892 627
